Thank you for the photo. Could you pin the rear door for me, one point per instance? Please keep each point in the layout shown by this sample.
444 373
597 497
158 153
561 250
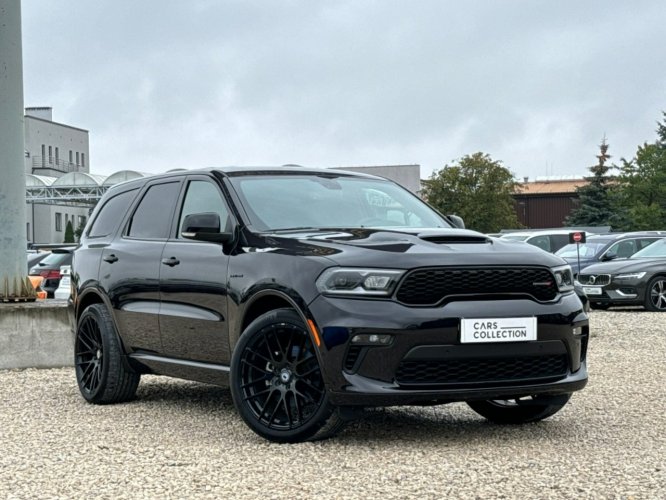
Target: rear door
193 282
130 266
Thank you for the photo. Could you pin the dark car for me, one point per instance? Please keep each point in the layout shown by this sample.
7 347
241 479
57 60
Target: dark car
314 292
605 247
49 269
638 280
34 258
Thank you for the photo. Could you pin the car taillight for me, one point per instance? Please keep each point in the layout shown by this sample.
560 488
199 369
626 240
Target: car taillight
50 275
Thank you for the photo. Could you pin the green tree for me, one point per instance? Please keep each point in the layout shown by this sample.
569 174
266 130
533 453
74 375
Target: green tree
69 233
476 188
642 184
597 199
79 232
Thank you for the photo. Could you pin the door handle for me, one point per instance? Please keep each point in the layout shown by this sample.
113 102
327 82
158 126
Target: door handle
171 261
111 259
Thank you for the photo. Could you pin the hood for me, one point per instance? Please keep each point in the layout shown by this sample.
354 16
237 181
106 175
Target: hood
625 266
406 248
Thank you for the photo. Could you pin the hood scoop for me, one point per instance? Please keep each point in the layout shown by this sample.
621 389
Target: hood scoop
455 239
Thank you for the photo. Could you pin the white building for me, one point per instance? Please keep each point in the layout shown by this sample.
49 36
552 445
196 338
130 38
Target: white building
52 150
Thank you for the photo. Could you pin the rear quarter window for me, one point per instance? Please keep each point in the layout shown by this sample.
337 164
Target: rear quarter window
111 214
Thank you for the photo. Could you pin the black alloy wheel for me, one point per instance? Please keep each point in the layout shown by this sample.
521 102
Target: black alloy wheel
655 296
520 410
277 383
101 372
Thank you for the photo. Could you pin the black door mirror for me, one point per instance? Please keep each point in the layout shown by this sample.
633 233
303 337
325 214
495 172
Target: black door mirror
609 256
456 221
204 227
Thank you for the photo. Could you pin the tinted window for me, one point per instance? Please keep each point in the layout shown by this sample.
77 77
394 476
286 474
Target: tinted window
623 249
646 242
203 197
55 260
111 214
543 242
557 241
152 218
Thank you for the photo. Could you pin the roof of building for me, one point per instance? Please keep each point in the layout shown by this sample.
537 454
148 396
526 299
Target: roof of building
551 187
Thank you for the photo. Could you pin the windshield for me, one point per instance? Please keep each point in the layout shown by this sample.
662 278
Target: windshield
657 249
282 202
587 250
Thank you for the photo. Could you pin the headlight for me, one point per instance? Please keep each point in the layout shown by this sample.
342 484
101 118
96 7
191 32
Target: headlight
362 282
630 276
564 278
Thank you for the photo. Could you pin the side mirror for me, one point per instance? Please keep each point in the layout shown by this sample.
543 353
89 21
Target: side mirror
456 221
204 227
609 256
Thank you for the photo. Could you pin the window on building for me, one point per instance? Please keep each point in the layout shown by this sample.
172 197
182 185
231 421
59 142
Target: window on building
27 231
82 221
83 160
70 156
58 221
50 154
43 155
57 155
77 158
152 218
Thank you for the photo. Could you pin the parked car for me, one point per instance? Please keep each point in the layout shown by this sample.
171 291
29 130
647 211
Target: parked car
638 280
605 247
311 292
550 240
49 268
34 257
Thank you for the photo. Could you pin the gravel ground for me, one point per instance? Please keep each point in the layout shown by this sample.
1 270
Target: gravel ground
182 439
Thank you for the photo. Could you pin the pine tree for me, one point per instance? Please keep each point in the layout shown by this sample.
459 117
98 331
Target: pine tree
596 198
69 233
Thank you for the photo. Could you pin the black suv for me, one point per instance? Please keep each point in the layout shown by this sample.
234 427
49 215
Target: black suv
314 292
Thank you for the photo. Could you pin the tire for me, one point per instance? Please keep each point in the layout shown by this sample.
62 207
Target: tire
520 410
102 374
599 306
276 381
655 294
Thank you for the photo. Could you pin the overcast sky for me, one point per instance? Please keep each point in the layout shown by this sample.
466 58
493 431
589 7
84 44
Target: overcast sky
167 84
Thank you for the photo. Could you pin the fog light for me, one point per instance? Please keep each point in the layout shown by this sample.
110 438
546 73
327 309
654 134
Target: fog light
372 339
578 330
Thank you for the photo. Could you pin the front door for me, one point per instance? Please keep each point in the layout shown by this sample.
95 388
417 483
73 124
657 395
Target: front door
193 284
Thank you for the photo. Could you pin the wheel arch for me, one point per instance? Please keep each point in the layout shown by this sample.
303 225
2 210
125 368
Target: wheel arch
262 302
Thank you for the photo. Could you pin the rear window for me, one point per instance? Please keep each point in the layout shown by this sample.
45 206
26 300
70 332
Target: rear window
54 260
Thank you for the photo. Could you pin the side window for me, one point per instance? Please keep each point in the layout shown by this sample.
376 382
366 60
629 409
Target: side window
558 241
623 249
646 242
543 242
152 218
111 214
203 197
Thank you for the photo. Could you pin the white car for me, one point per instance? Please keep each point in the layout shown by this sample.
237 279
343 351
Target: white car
63 291
549 240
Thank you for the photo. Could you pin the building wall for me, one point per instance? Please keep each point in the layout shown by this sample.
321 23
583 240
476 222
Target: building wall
41 221
408 176
62 140
538 211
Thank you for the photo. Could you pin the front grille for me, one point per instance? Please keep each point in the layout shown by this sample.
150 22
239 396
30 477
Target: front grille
431 286
594 279
484 370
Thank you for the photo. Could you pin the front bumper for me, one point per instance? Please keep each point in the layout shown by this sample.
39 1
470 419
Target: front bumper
426 363
627 292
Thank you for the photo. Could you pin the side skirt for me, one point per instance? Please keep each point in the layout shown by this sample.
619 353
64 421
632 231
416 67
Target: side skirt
183 368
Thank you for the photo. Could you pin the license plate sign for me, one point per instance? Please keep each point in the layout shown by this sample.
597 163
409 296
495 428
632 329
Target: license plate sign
592 290
490 330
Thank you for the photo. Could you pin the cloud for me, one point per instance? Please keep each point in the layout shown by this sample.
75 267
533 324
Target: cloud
171 84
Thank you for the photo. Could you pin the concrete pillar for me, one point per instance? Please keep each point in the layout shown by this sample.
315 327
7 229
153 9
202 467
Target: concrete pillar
14 285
